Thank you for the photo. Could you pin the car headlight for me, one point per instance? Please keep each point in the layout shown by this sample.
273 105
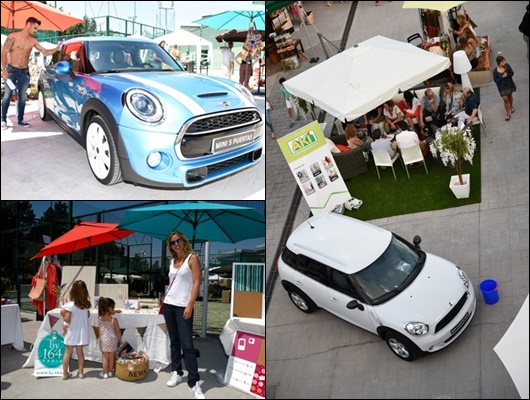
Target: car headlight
144 106
417 328
463 276
248 94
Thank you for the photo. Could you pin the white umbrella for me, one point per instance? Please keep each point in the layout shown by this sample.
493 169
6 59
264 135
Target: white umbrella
366 75
432 5
512 349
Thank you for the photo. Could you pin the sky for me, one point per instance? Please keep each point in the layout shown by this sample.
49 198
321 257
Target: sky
148 12
86 207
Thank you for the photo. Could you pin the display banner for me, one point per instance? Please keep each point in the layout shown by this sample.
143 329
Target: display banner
314 168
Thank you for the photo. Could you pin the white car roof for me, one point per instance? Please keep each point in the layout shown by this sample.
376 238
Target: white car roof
350 244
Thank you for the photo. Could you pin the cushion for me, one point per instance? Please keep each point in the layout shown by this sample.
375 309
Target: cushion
343 148
401 105
331 146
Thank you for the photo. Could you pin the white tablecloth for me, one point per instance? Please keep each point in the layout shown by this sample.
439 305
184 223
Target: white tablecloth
12 326
145 330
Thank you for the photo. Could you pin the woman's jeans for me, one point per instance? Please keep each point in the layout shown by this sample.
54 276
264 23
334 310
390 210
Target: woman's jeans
180 333
20 77
268 120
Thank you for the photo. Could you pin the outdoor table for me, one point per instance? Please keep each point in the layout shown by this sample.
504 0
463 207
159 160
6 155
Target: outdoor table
291 50
142 329
12 326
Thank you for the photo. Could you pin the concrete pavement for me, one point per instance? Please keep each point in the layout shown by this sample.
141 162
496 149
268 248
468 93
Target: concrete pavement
321 356
18 383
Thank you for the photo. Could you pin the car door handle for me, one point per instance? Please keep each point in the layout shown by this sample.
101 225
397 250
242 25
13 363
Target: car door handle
334 300
298 283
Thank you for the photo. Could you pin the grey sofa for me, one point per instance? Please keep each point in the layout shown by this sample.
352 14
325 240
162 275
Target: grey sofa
350 163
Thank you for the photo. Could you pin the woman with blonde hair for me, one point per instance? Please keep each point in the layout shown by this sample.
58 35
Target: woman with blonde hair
462 24
451 98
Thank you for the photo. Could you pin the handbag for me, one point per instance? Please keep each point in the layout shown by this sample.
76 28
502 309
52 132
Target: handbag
37 292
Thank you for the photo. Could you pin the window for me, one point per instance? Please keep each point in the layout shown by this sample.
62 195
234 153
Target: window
342 282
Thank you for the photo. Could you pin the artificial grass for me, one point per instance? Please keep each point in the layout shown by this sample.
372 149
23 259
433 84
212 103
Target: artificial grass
387 197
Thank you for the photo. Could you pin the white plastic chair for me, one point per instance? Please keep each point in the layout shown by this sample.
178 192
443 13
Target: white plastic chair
412 155
340 129
382 159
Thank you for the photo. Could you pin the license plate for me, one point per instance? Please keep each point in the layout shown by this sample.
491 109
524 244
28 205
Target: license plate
231 142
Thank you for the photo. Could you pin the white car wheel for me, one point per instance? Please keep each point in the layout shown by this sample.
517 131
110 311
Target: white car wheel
43 111
101 152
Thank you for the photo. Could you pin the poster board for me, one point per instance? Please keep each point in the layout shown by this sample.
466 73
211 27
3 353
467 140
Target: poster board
73 273
119 293
248 291
314 168
246 364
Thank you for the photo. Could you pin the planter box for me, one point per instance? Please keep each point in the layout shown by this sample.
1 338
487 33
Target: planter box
460 191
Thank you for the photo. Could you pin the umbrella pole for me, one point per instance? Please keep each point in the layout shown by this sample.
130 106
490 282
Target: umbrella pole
314 59
205 289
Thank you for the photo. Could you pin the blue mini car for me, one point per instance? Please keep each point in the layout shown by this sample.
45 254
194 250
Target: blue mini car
144 120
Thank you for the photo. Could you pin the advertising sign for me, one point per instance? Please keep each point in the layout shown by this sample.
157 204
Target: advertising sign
314 168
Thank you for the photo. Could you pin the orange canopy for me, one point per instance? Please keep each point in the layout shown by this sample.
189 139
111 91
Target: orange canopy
15 14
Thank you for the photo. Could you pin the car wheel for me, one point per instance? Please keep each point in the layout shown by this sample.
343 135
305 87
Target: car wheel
302 301
401 346
43 111
101 152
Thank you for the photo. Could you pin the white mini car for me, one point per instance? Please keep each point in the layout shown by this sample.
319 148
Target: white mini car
417 302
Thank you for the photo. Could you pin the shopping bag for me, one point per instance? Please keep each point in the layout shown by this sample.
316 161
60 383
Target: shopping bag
37 292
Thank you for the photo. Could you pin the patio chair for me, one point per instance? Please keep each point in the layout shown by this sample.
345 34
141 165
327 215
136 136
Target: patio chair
412 155
415 37
382 159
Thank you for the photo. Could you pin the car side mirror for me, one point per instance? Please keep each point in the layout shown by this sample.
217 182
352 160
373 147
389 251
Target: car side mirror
64 68
352 305
417 241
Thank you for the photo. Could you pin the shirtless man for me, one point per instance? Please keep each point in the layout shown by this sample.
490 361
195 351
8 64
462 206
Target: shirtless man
15 60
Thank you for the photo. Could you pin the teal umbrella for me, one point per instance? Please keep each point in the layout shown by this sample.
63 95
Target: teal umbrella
237 19
198 220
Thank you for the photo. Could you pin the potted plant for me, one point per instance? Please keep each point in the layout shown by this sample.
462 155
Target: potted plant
455 144
306 107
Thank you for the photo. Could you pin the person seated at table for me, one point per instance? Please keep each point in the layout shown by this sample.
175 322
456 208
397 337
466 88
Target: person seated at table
376 119
382 142
431 106
408 138
469 50
470 102
451 98
412 108
392 115
357 138
473 40
462 24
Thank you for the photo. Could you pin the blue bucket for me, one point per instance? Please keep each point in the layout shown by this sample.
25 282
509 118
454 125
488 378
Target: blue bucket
490 291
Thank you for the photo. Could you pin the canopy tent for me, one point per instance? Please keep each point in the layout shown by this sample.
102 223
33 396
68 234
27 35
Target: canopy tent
359 79
185 38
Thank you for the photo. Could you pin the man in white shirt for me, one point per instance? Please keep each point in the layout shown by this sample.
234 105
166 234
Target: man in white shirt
406 138
227 66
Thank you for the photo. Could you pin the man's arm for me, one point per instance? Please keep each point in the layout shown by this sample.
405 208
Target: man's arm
46 52
6 48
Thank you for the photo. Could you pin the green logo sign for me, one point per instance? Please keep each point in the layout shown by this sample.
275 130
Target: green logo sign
51 350
302 142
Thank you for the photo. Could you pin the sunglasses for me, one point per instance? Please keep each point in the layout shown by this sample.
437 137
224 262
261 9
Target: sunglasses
174 242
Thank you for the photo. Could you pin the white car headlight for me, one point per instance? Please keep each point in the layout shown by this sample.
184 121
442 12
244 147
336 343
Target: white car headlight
463 276
144 106
417 328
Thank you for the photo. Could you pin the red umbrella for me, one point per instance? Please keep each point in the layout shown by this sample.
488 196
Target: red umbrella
15 14
83 235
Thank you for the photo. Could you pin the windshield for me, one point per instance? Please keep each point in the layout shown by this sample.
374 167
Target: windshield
116 56
391 273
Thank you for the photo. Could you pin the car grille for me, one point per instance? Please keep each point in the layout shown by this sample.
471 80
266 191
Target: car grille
453 313
197 136
458 327
224 121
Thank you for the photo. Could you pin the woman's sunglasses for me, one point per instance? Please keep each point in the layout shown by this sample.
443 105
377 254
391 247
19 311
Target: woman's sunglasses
174 242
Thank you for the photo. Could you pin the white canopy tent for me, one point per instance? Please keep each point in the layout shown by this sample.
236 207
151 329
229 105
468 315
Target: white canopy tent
360 78
185 38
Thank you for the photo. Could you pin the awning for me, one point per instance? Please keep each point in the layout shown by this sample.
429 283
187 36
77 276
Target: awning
271 6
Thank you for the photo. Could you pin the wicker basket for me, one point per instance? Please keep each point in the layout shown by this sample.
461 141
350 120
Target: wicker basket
132 371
